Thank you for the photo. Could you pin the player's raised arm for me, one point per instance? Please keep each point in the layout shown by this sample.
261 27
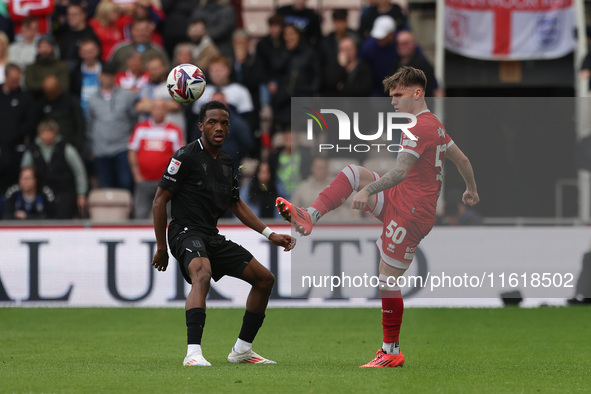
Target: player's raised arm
247 216
461 161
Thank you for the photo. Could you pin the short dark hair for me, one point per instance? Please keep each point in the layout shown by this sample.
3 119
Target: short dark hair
276 19
212 105
406 76
78 5
29 21
11 67
340 14
197 19
87 40
109 68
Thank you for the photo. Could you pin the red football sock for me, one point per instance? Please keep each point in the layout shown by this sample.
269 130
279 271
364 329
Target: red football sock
334 195
392 309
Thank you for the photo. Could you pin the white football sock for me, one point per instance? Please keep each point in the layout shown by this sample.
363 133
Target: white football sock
391 348
194 349
242 346
314 214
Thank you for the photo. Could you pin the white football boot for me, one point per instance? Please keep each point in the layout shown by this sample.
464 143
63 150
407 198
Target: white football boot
248 357
196 360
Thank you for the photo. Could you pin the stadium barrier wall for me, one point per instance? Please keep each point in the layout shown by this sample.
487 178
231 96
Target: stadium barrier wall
107 266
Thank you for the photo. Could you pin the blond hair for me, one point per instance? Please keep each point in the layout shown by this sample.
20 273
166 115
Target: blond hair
103 9
406 76
48 124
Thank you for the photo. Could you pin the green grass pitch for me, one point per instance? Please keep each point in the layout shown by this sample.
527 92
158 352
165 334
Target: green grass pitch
140 350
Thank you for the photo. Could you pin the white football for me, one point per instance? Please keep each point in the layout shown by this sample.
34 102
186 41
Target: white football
186 83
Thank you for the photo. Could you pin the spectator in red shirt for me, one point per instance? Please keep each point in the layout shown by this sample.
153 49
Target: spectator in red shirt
105 28
151 145
144 10
134 76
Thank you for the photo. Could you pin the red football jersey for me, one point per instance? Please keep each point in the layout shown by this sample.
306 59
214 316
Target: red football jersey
416 196
155 144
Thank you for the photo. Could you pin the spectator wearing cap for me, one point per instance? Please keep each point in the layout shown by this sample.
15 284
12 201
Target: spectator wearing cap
110 120
379 51
380 8
141 31
46 64
24 49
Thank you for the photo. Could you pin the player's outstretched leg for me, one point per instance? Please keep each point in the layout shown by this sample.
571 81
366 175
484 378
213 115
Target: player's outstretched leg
351 178
299 217
392 309
262 281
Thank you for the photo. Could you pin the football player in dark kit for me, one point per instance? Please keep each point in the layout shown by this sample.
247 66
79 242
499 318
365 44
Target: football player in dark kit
201 185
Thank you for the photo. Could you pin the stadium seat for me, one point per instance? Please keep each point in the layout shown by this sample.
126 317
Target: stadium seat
255 22
247 4
379 164
109 205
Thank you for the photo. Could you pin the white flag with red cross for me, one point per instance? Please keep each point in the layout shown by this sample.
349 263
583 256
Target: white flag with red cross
510 29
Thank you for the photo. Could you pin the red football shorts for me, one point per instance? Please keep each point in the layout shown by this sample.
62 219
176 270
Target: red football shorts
400 235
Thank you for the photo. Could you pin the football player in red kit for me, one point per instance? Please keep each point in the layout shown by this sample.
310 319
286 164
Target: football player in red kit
404 199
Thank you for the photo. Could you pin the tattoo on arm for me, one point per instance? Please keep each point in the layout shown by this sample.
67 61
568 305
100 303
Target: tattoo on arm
404 163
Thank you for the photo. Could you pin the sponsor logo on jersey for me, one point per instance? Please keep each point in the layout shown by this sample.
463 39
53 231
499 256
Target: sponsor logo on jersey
174 166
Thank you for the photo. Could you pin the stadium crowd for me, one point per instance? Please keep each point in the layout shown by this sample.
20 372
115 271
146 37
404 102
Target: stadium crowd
84 103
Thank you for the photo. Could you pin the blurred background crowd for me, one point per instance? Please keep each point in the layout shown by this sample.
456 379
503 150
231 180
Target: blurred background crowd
84 104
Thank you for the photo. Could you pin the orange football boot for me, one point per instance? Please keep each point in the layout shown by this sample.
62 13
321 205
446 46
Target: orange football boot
385 360
300 219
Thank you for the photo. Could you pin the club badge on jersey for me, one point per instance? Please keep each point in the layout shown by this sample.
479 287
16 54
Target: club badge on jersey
174 166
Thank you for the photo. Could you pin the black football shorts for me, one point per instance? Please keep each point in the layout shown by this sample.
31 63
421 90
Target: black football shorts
226 257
